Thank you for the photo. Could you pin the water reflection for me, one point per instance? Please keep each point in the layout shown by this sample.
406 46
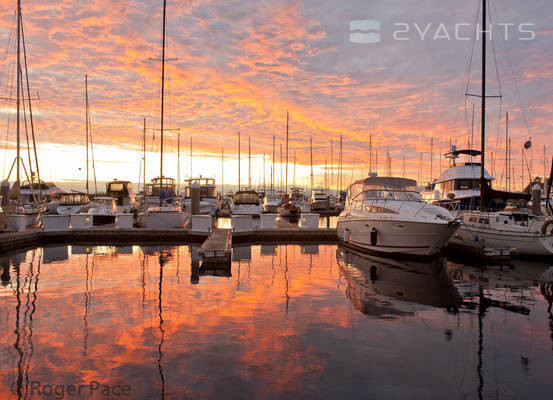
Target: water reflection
373 280
26 294
289 321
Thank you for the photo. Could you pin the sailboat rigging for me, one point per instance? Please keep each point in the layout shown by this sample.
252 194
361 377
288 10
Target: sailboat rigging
168 213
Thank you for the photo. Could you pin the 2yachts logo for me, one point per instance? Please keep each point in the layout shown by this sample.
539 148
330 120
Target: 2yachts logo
369 31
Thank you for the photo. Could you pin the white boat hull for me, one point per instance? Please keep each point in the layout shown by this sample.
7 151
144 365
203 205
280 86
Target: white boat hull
319 205
246 209
270 208
526 243
395 236
164 219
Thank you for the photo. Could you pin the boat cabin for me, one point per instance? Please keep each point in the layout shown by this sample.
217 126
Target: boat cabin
365 193
208 189
122 192
167 186
246 197
73 199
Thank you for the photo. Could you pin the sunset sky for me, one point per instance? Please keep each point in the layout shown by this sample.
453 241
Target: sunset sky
242 64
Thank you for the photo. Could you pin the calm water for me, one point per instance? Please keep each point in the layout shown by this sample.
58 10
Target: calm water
286 322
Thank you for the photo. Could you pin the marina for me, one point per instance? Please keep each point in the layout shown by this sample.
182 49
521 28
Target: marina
307 314
209 200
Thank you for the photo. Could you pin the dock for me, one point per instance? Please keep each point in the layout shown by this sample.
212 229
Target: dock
10 242
488 255
216 251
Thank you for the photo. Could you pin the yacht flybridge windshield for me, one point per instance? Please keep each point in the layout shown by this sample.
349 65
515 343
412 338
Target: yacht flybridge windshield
384 188
246 198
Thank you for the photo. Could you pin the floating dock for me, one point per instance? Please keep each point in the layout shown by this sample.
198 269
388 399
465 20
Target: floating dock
488 255
219 240
216 251
32 238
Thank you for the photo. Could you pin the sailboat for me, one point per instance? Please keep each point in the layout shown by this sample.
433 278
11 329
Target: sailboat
22 215
166 214
522 229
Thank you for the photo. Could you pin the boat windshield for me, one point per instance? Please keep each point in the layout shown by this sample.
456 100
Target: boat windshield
272 198
384 188
205 191
73 198
246 198
391 195
103 201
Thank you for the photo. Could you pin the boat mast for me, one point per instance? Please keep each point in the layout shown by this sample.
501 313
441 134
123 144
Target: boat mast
294 168
30 112
507 151
18 96
86 123
190 157
249 164
431 158
238 160
178 162
222 172
331 166
370 153
281 174
483 107
311 156
162 98
286 187
340 172
144 156
273 168
264 186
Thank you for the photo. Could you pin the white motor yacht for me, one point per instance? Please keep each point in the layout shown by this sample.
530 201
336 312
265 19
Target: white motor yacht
271 201
72 203
319 200
297 198
208 194
162 210
387 215
505 222
458 187
123 194
246 202
103 211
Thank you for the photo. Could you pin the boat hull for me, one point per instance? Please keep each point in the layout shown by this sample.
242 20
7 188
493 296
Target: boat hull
246 210
270 208
164 219
320 205
395 236
525 243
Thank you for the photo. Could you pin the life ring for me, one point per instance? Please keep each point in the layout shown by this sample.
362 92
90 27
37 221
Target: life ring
545 225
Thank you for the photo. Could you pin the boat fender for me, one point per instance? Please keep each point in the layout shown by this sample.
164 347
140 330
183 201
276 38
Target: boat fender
374 236
346 235
545 226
